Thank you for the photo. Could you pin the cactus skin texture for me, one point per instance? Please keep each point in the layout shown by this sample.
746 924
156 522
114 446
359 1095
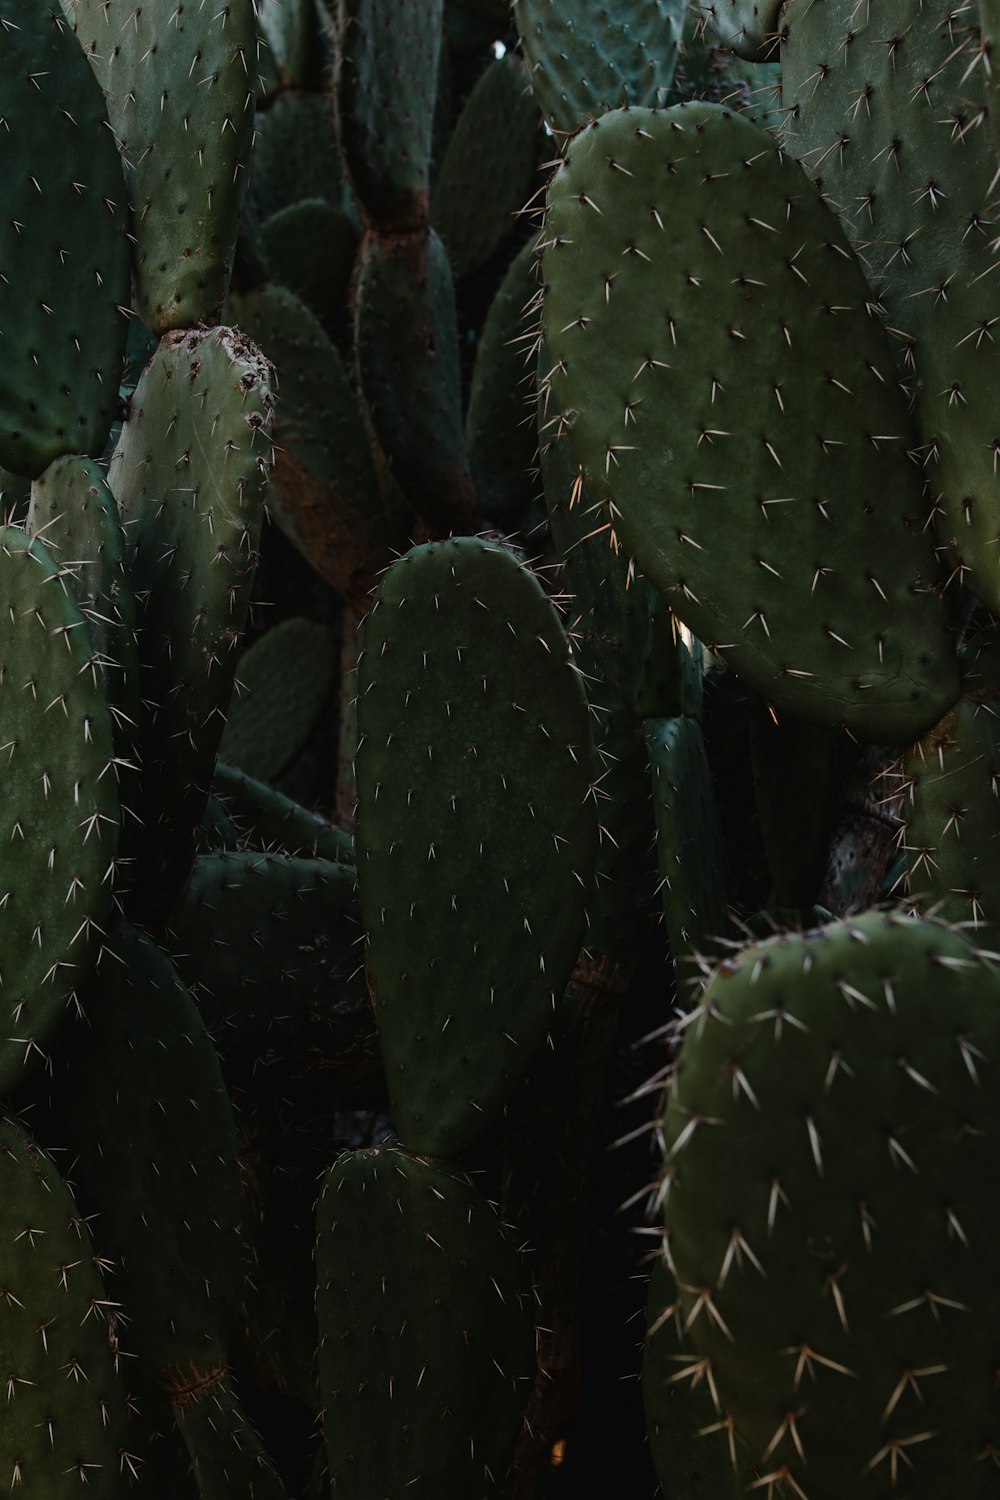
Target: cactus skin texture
584 61
476 839
426 1334
64 1426
671 329
59 811
912 175
830 1139
179 84
188 474
63 252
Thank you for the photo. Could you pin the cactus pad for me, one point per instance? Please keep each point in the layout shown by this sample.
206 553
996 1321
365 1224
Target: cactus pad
686 262
476 839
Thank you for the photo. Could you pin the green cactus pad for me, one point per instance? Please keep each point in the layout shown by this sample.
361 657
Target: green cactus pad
323 487
499 424
64 285
406 337
385 85
687 264
228 1460
625 903
912 174
59 812
749 27
427 1341
584 62
180 83
310 248
188 474
138 1088
270 820
476 834
830 1136
269 946
297 40
64 1423
689 847
295 153
951 779
691 1441
283 681
76 516
488 172
622 623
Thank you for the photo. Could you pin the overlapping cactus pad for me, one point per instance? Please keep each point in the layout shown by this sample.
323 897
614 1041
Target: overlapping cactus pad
63 253
476 838
689 267
831 1139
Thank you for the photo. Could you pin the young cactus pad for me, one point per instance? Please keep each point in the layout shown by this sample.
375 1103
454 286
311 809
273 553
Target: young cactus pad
476 836
732 391
830 1205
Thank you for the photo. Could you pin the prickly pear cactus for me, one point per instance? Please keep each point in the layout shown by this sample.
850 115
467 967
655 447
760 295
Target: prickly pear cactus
830 1140
476 839
689 266
63 253
180 86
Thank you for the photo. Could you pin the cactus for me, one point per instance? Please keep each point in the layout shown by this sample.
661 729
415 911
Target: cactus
835 1277
422 1353
475 835
64 285
194 67
659 410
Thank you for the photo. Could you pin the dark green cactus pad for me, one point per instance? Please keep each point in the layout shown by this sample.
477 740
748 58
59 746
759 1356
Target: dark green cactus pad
406 338
64 280
283 681
59 811
76 516
950 783
217 830
270 948
689 847
65 1423
188 474
830 1136
323 487
622 623
499 424
298 41
427 1341
269 820
912 176
476 833
138 1089
180 86
584 62
310 248
295 154
691 1439
385 85
488 172
749 27
228 1459
687 263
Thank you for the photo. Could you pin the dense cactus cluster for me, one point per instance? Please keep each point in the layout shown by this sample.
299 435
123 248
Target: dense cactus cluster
499 530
